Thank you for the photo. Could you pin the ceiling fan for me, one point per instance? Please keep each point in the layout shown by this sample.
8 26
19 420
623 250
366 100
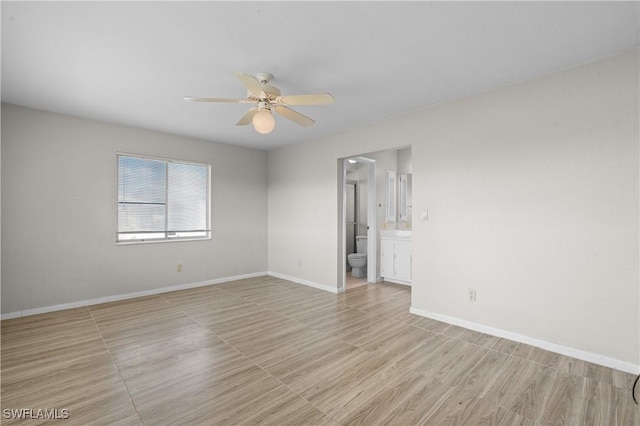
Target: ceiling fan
268 99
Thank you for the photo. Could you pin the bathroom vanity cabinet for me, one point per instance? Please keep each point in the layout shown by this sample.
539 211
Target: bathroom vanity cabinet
395 258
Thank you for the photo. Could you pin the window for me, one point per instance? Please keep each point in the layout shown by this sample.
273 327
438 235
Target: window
162 200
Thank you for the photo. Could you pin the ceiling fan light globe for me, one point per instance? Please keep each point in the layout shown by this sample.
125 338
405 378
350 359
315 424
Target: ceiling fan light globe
264 122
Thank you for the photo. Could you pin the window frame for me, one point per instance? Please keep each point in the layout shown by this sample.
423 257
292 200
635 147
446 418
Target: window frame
166 238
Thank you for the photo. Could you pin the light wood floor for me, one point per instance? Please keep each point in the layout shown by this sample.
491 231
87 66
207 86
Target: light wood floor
351 282
268 351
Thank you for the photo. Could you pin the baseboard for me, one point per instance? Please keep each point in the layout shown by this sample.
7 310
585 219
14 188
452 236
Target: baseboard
394 281
304 282
552 347
118 297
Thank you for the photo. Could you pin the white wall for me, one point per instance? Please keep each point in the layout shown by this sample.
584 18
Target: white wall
533 198
59 212
404 161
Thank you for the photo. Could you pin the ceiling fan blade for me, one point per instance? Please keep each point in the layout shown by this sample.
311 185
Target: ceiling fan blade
231 100
294 116
316 99
246 119
271 90
252 85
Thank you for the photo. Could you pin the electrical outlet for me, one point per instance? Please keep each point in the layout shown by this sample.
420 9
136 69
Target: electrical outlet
471 294
179 267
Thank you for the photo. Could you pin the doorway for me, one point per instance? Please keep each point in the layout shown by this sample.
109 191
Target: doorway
356 228
352 217
358 220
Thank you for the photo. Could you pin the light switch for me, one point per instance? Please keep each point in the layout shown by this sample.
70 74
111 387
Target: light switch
424 215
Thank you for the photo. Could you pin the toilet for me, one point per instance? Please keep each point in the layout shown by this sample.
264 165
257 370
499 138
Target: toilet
358 261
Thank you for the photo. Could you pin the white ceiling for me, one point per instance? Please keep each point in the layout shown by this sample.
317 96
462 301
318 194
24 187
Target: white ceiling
132 63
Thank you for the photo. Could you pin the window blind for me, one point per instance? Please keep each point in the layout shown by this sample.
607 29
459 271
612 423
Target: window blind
161 199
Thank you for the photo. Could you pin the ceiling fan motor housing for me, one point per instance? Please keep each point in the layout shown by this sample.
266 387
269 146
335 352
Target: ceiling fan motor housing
264 77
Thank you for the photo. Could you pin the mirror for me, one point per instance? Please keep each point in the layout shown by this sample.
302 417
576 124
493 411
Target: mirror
404 200
390 212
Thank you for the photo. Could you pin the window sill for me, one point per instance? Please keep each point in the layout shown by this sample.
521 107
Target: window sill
172 240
